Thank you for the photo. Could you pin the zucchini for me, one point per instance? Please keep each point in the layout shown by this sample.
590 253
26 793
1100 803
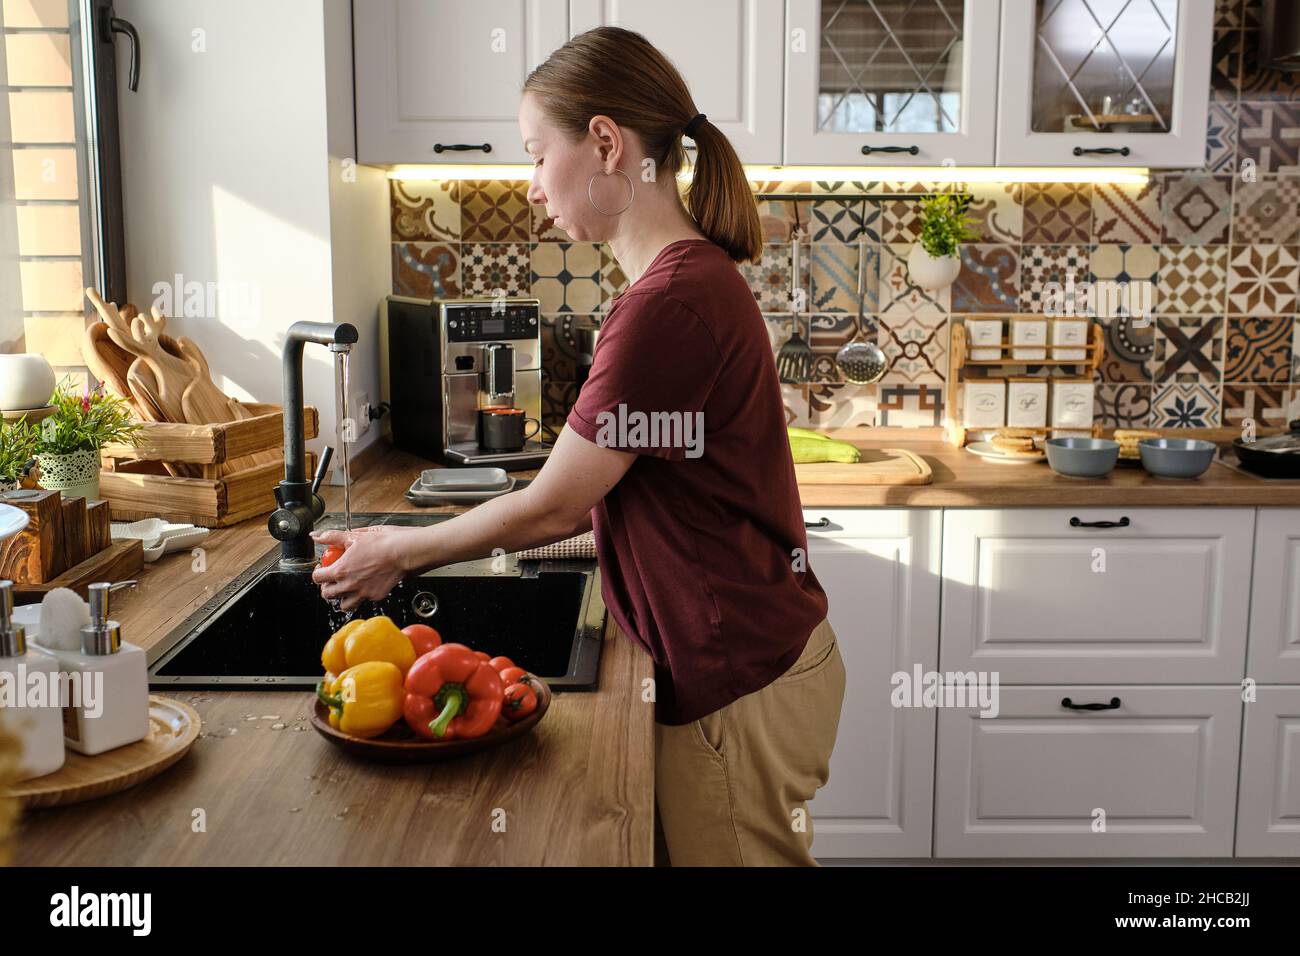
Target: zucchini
808 450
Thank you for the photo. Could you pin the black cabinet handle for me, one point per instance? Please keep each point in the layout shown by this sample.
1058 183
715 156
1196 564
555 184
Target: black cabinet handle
1113 705
819 523
461 147
868 150
1102 150
1121 523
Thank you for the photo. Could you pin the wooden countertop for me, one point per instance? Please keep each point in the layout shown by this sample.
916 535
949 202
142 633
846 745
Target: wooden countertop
578 790
964 480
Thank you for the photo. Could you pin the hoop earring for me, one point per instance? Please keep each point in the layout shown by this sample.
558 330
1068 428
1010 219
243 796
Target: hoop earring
630 185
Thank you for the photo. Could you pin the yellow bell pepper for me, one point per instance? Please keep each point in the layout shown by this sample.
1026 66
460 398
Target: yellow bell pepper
371 639
364 700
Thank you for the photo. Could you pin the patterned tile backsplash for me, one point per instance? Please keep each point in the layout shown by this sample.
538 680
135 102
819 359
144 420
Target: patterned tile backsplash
1220 246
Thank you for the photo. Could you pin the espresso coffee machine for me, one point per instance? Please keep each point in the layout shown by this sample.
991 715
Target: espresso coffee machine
444 359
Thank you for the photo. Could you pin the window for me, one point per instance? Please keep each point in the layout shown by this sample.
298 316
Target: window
60 189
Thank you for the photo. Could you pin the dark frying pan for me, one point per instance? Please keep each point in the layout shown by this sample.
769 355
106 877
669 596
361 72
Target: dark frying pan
1274 457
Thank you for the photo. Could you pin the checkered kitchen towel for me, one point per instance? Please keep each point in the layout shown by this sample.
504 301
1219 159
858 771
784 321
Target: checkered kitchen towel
579 546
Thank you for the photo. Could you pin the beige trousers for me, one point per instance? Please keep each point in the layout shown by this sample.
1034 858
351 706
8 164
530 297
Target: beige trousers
731 788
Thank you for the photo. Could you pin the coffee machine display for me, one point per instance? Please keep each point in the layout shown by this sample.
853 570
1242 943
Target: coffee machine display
463 380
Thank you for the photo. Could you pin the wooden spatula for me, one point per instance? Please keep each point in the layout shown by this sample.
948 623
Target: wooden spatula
127 377
106 361
139 336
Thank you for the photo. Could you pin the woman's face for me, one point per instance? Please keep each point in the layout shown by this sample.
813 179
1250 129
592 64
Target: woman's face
561 172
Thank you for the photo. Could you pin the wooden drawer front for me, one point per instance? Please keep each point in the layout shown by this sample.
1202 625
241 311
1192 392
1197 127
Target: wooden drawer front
1274 654
1164 599
882 582
1027 783
1268 802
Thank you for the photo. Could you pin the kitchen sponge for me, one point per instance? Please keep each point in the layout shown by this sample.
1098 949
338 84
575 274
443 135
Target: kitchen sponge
63 615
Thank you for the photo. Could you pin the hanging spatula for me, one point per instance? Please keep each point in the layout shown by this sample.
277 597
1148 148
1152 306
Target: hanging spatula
794 360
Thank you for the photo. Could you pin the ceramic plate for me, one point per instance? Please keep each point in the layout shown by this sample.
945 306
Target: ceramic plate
12 520
987 451
419 492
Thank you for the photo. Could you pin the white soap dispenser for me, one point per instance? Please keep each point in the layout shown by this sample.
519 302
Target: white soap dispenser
111 710
29 695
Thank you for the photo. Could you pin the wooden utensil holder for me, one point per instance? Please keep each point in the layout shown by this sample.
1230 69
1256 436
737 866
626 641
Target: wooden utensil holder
137 485
959 357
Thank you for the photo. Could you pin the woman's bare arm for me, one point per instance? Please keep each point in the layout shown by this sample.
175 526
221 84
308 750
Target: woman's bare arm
556 505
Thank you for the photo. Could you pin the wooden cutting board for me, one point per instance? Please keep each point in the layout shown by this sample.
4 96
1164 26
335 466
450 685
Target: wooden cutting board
879 466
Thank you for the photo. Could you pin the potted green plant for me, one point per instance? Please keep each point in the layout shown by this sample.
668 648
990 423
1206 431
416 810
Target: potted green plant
69 440
935 260
17 445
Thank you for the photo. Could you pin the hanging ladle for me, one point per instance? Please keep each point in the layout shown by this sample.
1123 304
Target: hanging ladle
861 362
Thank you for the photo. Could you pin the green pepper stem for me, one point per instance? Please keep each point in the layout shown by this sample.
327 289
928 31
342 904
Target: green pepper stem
455 701
332 701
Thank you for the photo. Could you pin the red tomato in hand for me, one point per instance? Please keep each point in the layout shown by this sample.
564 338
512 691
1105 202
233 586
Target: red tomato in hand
423 638
332 554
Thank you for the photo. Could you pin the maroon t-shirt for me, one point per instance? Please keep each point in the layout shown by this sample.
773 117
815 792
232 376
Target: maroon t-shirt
702 547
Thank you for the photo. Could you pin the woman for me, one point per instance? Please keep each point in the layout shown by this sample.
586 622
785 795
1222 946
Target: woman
699 531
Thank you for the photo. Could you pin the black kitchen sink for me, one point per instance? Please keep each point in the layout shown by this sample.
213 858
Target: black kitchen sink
266 628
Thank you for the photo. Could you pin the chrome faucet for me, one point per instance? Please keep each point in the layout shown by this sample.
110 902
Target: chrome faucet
300 504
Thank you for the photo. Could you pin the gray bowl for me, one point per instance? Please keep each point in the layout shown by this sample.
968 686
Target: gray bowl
1176 457
1082 457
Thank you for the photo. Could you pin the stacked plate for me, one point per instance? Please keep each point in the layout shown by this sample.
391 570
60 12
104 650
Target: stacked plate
437 485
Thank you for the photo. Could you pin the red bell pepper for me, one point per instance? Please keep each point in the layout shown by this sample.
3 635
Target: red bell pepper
452 694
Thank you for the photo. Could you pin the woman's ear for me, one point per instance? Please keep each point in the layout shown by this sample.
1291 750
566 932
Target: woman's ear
609 141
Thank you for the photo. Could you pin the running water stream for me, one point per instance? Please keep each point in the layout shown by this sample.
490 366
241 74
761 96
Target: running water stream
345 430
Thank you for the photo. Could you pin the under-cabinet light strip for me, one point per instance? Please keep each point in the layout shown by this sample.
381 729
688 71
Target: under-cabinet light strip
811 174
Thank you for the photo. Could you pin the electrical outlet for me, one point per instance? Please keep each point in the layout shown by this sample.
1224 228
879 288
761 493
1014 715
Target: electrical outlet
361 406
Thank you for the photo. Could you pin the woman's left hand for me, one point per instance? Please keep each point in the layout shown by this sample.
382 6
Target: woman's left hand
369 568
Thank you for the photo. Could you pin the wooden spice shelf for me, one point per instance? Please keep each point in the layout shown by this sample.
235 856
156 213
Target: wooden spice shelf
959 357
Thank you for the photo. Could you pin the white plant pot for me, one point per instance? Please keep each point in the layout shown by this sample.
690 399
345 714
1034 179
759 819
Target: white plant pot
26 381
76 474
931 273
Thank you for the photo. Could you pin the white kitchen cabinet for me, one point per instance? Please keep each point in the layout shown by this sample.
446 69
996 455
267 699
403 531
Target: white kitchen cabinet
880 571
1268 807
1104 82
891 82
1274 653
1159 771
1040 596
434 75
729 52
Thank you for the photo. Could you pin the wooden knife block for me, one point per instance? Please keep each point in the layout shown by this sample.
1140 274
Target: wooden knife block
67 543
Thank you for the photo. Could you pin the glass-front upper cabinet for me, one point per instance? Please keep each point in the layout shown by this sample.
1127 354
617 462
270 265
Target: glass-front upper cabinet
891 82
1104 82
